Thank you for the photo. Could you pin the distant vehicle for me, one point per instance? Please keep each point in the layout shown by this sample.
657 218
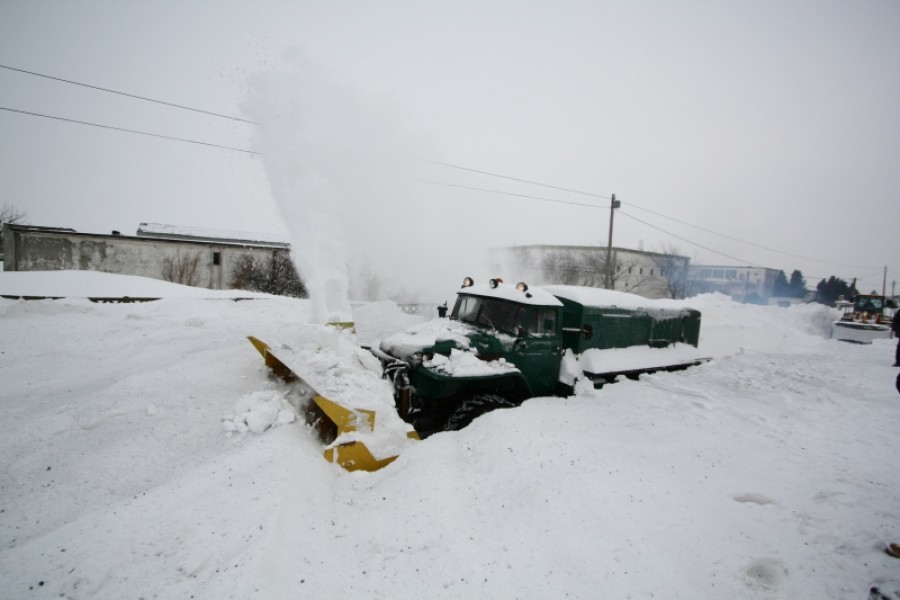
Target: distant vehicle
865 319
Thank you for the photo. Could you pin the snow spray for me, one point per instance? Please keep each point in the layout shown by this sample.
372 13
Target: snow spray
345 170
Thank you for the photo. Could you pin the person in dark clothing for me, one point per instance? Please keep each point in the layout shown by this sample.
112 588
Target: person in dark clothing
895 325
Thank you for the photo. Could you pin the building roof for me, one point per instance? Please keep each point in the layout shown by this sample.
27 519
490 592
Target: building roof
162 237
23 227
200 234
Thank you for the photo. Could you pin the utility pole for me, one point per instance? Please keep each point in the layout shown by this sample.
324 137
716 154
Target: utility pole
884 283
613 205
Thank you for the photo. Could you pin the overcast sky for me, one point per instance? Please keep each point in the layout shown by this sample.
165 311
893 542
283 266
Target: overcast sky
776 123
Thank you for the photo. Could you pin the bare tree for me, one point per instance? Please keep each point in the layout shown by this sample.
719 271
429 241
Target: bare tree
10 215
182 268
568 266
562 267
625 279
673 268
585 267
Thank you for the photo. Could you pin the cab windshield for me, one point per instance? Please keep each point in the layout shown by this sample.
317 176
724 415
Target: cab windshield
490 312
869 304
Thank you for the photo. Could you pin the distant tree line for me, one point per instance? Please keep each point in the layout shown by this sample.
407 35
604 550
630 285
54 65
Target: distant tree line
829 290
795 288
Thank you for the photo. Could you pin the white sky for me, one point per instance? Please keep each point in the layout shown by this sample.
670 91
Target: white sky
772 122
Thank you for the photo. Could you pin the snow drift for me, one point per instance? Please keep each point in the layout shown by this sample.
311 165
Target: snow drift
769 472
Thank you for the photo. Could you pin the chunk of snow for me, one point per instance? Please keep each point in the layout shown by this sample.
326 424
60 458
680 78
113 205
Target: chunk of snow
424 335
465 363
259 411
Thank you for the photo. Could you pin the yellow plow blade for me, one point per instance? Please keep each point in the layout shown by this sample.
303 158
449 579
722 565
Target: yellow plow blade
332 419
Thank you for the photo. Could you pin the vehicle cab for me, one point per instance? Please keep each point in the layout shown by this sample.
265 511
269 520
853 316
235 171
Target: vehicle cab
518 324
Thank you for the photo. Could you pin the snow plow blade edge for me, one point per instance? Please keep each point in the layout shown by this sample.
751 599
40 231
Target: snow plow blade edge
330 419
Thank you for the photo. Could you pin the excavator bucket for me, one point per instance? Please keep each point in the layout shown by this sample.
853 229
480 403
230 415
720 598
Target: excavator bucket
332 419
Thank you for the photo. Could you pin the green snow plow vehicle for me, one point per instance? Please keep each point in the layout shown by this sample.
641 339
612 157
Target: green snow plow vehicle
503 344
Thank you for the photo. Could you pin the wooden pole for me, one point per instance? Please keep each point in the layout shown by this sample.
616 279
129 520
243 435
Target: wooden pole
613 205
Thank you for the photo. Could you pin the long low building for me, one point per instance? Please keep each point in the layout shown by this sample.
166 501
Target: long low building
648 274
190 256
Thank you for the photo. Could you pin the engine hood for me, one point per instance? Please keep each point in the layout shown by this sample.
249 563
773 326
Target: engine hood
442 336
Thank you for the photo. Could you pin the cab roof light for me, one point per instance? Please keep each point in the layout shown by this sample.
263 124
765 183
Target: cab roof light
495 282
468 282
522 286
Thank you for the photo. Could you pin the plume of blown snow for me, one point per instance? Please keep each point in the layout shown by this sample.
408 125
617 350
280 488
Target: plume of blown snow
343 167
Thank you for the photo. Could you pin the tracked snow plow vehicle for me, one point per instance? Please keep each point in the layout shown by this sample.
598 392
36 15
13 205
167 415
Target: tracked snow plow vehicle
503 344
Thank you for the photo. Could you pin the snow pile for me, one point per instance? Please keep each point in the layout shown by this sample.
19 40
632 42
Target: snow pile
598 297
259 411
728 328
465 363
626 359
769 472
94 284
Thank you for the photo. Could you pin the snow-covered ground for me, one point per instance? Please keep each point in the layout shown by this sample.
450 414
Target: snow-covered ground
770 472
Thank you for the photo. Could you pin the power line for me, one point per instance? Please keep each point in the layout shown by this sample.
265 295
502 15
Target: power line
575 191
745 241
157 135
558 201
555 200
740 260
477 189
546 185
859 277
102 89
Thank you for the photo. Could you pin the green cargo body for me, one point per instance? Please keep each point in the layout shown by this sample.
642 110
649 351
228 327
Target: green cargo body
586 327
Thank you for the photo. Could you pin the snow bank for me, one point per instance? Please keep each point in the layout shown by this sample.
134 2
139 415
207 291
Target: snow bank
93 284
728 328
769 472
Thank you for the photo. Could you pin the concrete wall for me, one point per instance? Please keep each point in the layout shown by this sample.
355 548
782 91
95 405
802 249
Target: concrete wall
36 249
